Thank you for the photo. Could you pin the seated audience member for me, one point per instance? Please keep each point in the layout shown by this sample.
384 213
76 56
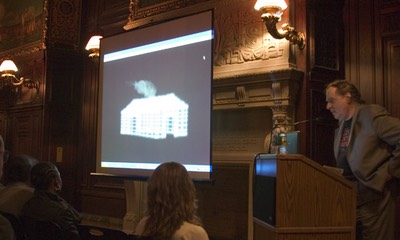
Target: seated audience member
6 230
47 208
171 206
17 180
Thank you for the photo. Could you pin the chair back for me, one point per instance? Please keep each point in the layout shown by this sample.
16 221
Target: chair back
40 230
18 227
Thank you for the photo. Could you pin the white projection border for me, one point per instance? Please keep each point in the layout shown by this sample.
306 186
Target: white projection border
159 46
152 166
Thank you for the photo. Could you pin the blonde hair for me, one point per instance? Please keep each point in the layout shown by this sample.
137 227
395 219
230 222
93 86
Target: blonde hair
171 201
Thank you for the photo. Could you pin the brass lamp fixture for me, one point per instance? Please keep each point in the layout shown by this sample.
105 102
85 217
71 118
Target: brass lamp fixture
8 78
93 46
272 11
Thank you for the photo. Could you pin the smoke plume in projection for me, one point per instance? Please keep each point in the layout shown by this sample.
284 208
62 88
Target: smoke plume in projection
146 88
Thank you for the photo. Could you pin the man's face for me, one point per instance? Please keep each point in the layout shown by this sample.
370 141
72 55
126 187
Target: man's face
337 104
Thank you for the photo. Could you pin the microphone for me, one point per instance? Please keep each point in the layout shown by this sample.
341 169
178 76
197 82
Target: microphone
317 119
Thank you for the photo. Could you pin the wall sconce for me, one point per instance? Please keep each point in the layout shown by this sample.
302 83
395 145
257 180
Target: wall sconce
93 46
8 79
272 11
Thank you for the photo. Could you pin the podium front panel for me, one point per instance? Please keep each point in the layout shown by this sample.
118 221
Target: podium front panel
264 196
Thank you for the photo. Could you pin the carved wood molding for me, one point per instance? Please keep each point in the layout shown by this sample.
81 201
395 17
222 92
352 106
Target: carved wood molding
273 89
146 10
390 23
64 23
326 38
387 4
242 45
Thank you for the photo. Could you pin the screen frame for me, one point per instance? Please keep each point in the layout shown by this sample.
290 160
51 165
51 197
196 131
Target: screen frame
143 174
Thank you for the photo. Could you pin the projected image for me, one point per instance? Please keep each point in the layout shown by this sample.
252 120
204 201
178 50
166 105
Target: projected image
154 116
155 98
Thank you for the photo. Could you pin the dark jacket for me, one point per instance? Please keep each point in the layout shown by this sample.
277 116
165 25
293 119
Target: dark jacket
373 152
49 207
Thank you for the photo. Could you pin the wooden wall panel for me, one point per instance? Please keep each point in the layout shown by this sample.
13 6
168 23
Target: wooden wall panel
354 45
390 31
3 125
88 123
322 130
367 53
104 18
391 78
62 114
223 204
326 47
372 53
25 132
105 198
113 16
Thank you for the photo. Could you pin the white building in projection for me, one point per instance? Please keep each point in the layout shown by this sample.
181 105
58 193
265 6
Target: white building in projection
155 117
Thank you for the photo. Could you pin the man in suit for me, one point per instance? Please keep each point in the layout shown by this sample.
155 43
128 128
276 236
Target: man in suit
367 148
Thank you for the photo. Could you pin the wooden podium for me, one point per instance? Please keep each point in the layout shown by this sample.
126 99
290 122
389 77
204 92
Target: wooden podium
296 198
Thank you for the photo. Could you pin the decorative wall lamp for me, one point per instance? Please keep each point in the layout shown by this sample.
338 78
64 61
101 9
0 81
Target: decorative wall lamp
272 11
93 46
8 78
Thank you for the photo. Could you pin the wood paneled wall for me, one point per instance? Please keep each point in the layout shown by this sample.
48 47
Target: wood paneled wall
343 41
372 50
372 54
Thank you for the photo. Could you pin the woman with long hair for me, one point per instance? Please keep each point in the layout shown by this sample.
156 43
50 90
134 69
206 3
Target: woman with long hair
171 206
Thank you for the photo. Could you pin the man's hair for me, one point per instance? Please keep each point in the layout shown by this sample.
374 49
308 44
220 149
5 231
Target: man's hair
343 87
171 200
42 175
18 168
